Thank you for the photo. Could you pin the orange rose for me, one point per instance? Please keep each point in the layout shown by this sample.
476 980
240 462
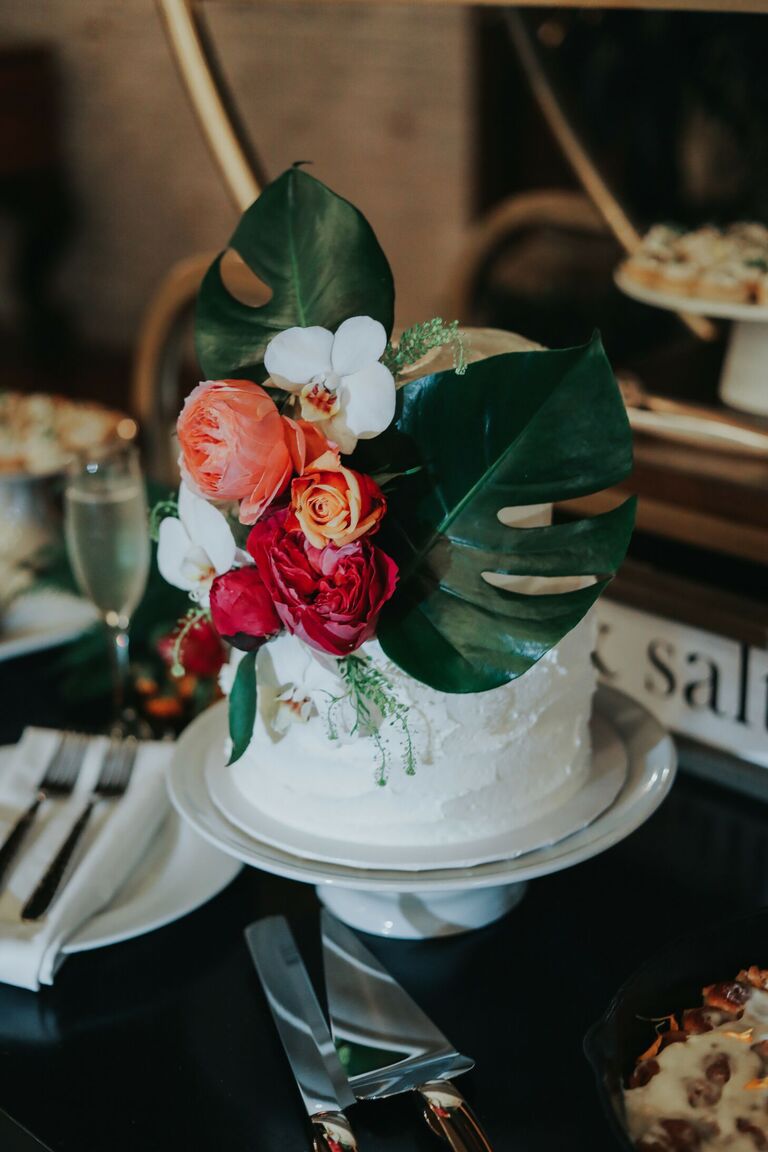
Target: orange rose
235 445
334 505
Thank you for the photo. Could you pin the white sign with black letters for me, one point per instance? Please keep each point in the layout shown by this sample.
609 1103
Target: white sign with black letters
695 682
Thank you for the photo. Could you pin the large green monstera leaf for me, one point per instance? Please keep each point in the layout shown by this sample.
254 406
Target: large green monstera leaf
321 259
517 429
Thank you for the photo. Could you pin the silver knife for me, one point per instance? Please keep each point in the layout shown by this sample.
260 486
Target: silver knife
304 1033
388 1044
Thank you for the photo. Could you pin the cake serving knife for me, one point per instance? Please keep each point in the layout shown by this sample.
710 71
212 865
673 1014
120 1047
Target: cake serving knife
320 1077
388 1044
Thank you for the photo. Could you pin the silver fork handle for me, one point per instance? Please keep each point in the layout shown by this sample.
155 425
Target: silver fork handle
449 1116
17 834
42 897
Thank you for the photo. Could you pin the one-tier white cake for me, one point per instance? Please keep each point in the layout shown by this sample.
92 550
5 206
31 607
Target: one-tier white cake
484 763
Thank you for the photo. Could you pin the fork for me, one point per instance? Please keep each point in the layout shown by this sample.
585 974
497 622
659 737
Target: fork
59 780
114 778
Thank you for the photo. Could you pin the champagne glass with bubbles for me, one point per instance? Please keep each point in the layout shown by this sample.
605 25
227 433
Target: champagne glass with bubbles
105 524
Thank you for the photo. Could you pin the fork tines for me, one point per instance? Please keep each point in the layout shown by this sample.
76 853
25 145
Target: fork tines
64 766
116 771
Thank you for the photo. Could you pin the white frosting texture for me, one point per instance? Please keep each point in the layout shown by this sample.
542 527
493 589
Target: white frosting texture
484 763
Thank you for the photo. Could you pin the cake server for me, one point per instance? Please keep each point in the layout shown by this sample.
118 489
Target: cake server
388 1044
320 1077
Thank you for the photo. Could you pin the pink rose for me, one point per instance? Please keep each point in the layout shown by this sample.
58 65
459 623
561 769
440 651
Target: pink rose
242 609
330 597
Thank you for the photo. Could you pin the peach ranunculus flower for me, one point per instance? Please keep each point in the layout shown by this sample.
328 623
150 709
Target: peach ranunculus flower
333 504
235 445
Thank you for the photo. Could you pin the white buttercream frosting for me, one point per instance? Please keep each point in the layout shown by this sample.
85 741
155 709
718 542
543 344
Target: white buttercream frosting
484 762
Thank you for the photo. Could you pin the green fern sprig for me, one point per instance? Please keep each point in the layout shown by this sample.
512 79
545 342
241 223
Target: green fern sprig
373 699
422 338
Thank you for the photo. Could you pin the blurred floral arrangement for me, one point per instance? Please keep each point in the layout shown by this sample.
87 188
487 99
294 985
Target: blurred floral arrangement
323 495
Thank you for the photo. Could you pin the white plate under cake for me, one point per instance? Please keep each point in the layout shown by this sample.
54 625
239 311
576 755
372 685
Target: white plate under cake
494 774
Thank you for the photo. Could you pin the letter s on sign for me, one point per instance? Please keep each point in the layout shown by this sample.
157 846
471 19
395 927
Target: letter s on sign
657 651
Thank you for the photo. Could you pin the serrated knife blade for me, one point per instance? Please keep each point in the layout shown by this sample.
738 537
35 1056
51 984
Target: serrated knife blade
388 1044
319 1075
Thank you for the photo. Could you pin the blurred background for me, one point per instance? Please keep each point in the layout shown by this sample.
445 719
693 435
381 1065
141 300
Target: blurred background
508 160
106 180
423 116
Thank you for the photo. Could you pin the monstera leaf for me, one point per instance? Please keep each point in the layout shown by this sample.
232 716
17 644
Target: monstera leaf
319 256
517 429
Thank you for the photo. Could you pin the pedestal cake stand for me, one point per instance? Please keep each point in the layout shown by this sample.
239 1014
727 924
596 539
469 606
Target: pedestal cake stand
744 378
414 904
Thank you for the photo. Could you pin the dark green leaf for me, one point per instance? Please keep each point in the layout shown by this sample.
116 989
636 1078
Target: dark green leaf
319 256
458 644
242 706
518 429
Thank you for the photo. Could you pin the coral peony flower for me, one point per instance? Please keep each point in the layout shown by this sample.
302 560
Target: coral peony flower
242 609
329 597
338 379
333 504
233 445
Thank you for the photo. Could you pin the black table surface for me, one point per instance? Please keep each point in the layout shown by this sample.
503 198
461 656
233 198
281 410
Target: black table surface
165 1042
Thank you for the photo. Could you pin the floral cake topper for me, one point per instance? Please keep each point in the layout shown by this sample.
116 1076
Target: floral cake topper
323 496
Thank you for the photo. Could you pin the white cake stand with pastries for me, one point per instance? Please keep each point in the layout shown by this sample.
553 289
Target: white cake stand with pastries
744 378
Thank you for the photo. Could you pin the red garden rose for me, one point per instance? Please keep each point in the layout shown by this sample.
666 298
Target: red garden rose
242 608
329 597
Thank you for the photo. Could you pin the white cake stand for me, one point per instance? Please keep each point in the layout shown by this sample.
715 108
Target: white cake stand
442 901
744 379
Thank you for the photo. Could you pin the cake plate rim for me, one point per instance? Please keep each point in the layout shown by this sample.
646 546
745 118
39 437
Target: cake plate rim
652 765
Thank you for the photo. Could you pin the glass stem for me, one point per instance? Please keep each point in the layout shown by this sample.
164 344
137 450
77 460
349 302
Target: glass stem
120 652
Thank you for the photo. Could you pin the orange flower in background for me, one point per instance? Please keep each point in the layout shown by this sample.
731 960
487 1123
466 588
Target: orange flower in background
333 504
234 445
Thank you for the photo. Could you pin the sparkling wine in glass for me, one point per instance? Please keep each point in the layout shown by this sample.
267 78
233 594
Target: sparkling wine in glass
105 524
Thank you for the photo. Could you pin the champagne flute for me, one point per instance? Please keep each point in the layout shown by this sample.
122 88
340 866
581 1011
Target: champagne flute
105 525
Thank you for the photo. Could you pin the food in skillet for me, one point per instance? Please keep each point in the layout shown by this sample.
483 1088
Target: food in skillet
703 1083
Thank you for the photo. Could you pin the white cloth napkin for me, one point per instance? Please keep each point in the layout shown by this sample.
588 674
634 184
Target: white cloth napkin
118 833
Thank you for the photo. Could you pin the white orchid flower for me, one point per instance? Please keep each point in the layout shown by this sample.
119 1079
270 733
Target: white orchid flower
292 707
195 548
339 379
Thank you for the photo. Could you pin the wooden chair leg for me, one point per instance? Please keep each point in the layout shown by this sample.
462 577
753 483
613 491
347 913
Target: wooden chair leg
159 348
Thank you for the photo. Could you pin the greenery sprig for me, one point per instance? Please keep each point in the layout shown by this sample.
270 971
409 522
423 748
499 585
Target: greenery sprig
185 626
169 506
422 338
373 700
